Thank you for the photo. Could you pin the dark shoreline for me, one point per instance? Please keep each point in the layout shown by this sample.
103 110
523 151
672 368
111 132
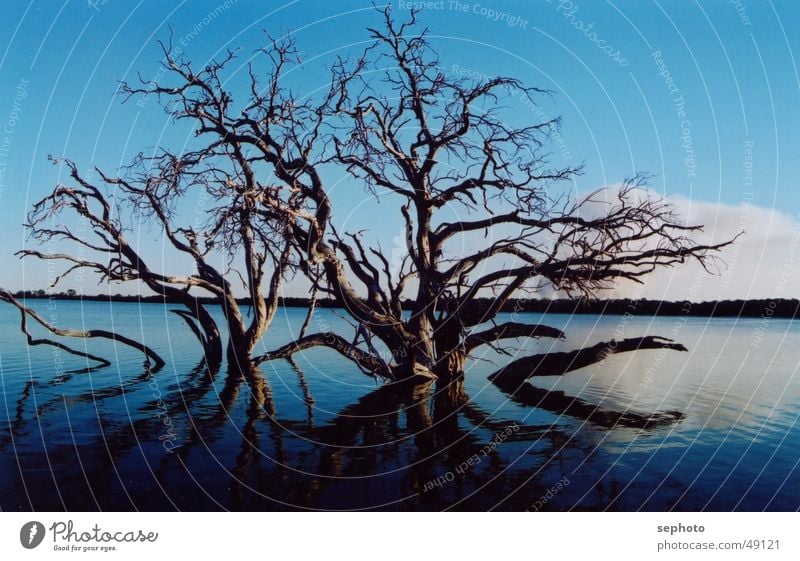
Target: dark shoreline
760 308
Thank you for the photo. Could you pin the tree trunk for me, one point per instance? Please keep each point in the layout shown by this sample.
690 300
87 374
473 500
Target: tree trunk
240 345
414 368
451 366
451 353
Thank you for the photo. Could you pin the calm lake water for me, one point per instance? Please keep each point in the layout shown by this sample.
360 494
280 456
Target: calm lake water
319 434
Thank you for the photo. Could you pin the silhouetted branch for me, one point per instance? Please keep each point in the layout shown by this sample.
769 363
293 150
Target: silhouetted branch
370 363
93 333
559 363
510 330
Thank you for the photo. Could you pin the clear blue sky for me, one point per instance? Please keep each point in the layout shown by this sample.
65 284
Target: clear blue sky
732 63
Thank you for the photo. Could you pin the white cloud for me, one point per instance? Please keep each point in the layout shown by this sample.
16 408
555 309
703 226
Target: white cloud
763 263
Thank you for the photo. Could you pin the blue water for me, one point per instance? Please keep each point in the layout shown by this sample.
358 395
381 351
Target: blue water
319 434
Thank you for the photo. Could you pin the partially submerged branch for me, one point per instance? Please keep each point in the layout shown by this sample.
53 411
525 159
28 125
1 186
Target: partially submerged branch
25 311
559 363
512 380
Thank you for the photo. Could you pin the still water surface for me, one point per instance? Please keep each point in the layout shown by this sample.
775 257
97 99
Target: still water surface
319 434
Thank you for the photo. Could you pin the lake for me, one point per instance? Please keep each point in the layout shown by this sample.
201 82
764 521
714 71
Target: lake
715 428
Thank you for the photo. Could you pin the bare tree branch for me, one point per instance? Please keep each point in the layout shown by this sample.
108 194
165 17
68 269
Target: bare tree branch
151 355
559 363
510 330
371 364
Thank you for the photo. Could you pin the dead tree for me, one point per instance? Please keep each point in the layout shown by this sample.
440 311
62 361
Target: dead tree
441 144
150 190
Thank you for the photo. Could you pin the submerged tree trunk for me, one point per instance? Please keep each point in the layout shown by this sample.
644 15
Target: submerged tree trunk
451 353
416 367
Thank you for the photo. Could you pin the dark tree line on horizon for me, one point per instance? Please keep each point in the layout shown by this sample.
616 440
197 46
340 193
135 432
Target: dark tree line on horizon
398 125
739 308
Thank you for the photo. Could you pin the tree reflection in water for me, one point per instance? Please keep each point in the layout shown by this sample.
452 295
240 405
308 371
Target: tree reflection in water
235 450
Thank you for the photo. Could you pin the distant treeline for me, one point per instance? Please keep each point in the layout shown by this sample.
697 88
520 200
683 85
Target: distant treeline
778 307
